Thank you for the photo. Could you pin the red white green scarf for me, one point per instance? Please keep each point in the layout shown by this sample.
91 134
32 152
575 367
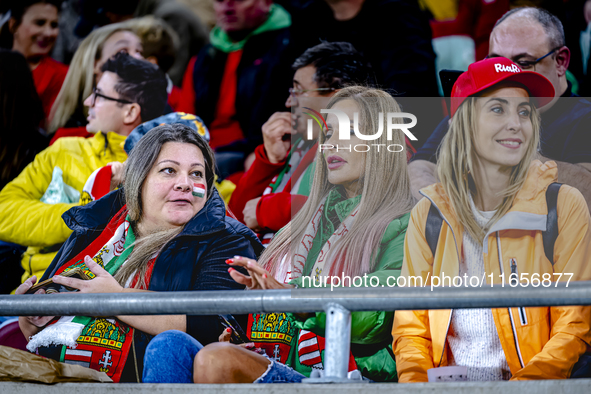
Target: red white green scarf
274 332
98 343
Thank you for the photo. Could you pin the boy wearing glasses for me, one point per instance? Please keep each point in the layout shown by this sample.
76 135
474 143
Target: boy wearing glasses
130 92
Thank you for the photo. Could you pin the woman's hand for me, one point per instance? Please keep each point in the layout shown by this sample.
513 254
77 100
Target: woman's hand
37 321
258 277
102 283
226 336
117 170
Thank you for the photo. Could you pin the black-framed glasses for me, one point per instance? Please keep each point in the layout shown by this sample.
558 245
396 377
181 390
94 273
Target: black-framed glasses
96 94
527 64
299 92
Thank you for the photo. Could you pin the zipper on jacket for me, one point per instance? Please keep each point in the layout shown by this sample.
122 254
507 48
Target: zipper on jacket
514 275
458 255
509 309
514 282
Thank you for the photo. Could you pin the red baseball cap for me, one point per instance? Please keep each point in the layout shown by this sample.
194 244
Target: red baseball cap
488 72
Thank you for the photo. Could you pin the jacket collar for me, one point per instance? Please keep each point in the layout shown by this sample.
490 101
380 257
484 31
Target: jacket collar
528 212
111 141
97 214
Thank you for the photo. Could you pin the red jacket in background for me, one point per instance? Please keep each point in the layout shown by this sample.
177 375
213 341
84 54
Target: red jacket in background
49 76
273 210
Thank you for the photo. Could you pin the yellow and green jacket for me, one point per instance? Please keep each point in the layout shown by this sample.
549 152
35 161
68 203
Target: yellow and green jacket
26 220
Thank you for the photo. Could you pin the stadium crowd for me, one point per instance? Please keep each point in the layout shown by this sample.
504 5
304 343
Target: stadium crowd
168 145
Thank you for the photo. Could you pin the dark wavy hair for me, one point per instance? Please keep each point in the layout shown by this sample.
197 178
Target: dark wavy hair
139 82
338 64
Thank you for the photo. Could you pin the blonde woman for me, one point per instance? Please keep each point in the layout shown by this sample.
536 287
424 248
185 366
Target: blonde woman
493 203
68 112
352 224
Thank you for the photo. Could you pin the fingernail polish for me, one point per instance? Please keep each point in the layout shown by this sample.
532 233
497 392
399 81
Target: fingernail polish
229 261
228 329
230 269
265 276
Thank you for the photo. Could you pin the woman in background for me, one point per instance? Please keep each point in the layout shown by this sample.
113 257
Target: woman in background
31 30
68 115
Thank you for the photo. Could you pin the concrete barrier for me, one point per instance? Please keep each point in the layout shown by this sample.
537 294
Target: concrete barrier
574 386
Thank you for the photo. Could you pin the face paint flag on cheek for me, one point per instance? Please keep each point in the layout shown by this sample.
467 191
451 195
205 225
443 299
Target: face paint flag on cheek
198 189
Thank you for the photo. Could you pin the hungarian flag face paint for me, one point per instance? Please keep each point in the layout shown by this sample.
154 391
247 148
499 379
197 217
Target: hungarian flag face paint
198 189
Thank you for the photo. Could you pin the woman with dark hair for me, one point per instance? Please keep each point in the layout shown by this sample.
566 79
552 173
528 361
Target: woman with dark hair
20 140
166 230
20 116
31 29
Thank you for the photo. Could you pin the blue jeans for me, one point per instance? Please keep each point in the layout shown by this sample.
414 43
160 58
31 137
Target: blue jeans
169 358
279 373
170 355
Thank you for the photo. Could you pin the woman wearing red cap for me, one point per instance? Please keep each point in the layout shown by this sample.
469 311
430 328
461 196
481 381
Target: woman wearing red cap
493 212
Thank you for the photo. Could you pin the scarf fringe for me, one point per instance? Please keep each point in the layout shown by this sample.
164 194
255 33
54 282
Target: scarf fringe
60 333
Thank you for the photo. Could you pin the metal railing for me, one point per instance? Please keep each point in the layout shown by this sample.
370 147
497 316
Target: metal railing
338 304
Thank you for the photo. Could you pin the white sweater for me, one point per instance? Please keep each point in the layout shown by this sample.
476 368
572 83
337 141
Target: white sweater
472 337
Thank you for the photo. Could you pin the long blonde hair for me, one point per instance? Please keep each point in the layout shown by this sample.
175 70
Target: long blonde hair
80 77
456 164
384 187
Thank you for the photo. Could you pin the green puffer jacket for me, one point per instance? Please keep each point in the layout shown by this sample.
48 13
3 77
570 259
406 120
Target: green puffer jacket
371 339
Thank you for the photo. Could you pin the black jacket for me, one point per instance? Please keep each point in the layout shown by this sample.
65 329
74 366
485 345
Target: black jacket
263 79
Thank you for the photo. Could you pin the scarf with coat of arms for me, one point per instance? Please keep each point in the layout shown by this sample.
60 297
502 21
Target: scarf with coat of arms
102 344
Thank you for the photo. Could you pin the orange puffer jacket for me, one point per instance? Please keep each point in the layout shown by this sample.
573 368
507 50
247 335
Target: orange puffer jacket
539 343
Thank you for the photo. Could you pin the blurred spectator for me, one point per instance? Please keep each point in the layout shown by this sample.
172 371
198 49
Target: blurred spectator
160 45
240 78
203 9
475 19
31 28
159 41
67 42
440 10
68 114
91 14
190 29
129 92
264 199
21 113
577 28
394 36
534 39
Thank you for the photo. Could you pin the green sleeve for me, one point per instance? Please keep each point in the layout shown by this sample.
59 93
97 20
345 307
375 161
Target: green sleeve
307 177
372 326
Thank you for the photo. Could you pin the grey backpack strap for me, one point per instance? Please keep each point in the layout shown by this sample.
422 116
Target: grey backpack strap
433 228
549 236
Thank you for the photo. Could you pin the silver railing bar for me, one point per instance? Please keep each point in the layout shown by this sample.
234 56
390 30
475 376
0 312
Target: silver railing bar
300 300
337 304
